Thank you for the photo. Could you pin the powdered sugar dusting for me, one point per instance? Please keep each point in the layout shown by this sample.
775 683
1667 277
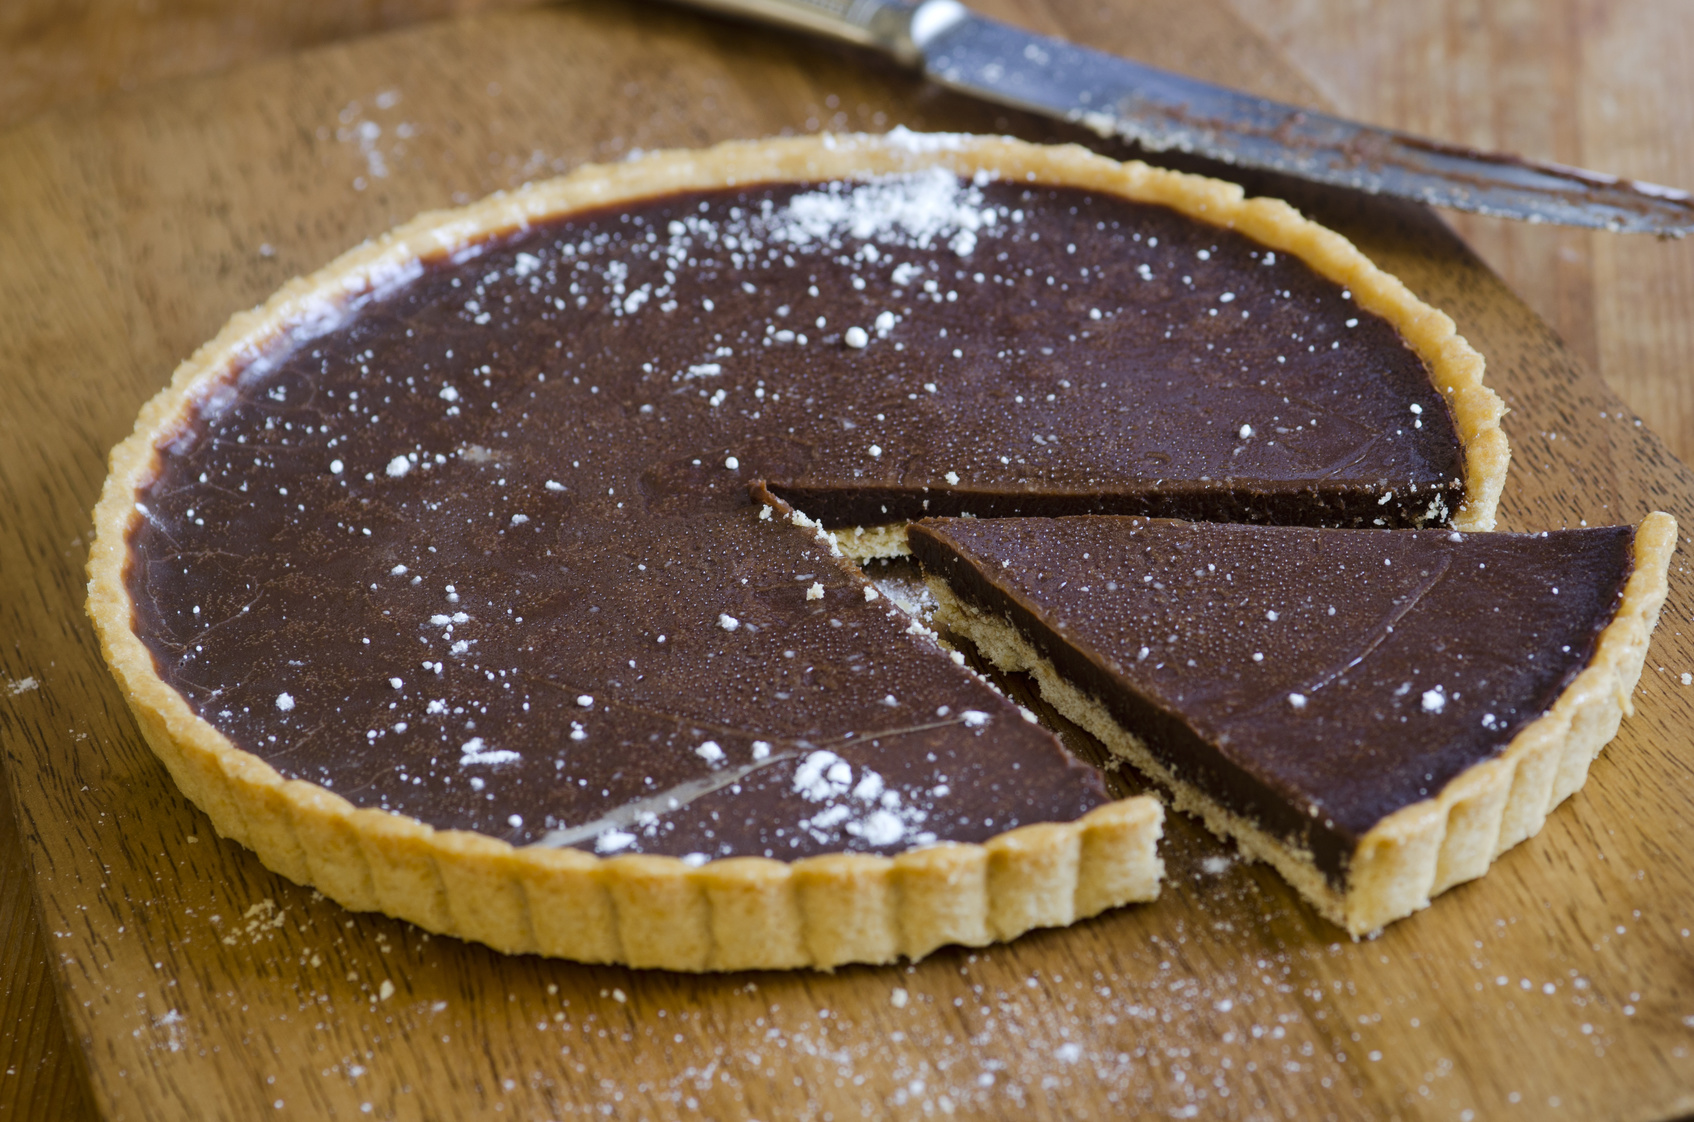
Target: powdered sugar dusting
902 137
917 209
861 805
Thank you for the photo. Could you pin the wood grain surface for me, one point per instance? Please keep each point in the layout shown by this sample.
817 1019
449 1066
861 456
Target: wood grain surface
195 982
55 53
1604 84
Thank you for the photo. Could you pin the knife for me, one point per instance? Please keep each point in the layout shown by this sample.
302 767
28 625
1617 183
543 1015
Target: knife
1159 110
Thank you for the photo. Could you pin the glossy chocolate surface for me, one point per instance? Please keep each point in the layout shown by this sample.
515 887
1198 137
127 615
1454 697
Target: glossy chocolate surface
482 551
1283 669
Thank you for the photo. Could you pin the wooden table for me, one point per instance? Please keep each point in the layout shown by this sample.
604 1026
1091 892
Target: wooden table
1488 79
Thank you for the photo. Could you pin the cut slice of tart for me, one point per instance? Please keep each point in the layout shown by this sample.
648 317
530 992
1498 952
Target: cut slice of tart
1378 715
437 582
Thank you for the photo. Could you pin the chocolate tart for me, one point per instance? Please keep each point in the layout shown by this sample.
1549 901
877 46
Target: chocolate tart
1378 715
437 581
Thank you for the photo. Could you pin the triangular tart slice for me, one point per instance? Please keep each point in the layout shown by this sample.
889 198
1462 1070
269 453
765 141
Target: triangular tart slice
1377 714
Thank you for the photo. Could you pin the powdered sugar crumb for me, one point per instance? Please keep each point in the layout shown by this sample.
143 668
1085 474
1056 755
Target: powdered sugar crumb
613 841
475 751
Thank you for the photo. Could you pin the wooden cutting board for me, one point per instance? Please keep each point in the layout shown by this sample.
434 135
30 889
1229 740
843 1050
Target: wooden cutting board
197 984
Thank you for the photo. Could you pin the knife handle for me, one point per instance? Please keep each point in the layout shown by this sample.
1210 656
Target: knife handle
891 26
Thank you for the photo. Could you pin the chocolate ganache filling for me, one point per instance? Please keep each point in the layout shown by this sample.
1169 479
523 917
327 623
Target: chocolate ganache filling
481 550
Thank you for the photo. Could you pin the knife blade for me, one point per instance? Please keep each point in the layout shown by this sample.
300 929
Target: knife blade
1160 111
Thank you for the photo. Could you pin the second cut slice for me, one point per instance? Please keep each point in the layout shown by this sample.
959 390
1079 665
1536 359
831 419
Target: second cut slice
1377 714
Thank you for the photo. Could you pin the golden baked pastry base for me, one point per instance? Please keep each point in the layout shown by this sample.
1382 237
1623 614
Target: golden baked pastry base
739 913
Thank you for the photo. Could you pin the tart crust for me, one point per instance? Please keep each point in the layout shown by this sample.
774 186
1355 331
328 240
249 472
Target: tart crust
1423 849
736 913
